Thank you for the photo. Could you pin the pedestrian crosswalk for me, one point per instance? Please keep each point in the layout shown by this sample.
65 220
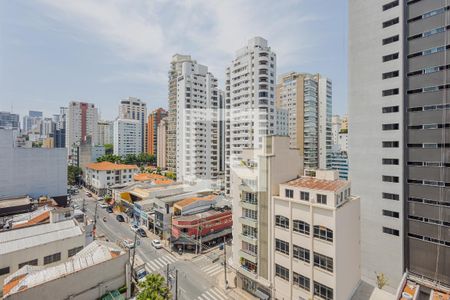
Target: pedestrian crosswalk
213 294
213 269
160 262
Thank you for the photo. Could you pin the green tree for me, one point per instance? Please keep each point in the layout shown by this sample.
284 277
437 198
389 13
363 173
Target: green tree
108 148
171 175
73 172
110 157
154 288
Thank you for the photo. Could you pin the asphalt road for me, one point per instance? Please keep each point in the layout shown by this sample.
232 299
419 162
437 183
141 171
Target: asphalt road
194 277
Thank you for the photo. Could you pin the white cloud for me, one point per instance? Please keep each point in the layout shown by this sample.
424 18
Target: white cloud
150 32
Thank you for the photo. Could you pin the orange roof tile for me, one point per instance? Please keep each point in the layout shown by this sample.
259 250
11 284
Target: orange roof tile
7 287
147 176
107 166
317 184
38 219
188 201
163 181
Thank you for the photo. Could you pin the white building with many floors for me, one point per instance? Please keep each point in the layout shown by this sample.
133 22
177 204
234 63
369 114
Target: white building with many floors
81 122
127 137
134 109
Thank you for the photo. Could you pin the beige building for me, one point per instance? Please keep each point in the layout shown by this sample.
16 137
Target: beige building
161 144
307 100
91 273
40 245
47 143
316 238
254 181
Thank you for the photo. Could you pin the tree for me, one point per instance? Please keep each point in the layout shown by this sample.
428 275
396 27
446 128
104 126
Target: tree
154 288
110 157
171 175
73 173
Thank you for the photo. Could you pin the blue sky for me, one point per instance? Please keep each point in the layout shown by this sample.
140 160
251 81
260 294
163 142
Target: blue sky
55 51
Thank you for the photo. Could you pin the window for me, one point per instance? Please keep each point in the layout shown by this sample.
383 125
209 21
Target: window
390 144
390 196
323 262
301 253
33 262
289 193
391 231
301 281
281 272
74 251
52 258
387 178
300 226
4 271
390 39
390 92
390 23
390 57
250 213
304 196
282 246
281 221
322 199
390 109
390 161
393 126
390 5
323 291
388 75
390 213
323 233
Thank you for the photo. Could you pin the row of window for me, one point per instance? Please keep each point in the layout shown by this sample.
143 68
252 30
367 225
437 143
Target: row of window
303 282
428 201
429 70
430 145
429 126
322 199
429 33
429 220
47 259
320 232
428 14
429 239
435 183
430 107
429 89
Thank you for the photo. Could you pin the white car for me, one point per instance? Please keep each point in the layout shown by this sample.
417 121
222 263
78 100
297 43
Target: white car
134 227
103 205
128 243
157 244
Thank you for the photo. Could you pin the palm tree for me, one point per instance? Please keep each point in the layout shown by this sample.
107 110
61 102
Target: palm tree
154 288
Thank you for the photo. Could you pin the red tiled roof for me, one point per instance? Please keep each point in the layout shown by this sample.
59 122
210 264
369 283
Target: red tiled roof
107 166
317 184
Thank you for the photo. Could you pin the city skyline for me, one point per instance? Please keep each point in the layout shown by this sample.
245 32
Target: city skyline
107 64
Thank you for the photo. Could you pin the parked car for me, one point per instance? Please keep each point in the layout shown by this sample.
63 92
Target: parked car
88 194
141 232
157 244
103 205
141 274
128 243
109 209
134 227
120 218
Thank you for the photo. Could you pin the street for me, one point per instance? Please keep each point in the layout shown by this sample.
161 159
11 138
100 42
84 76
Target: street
201 269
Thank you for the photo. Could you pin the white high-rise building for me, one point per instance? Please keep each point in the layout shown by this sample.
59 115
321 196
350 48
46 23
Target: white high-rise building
105 132
197 136
307 99
249 101
127 137
161 143
134 109
81 123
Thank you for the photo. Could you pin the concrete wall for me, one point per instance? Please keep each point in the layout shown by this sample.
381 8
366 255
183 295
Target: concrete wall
90 283
33 171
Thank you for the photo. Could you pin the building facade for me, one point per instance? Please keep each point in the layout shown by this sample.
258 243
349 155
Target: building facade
81 123
401 102
307 99
134 109
316 238
161 153
9 120
105 132
127 137
154 118
255 179
249 101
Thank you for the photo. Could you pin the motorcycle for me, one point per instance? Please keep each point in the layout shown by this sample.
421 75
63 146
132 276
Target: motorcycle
104 219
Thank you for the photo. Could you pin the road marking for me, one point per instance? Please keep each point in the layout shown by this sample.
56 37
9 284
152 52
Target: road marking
218 293
212 269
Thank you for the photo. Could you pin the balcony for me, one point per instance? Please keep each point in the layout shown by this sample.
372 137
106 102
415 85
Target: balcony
249 239
248 255
249 205
248 221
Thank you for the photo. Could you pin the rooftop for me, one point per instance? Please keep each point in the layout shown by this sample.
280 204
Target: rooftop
188 201
12 202
107 166
202 215
30 276
317 184
147 176
28 237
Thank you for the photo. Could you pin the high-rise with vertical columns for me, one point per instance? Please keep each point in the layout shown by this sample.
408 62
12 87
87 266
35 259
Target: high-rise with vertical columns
81 123
249 101
307 98
134 109
399 136
195 130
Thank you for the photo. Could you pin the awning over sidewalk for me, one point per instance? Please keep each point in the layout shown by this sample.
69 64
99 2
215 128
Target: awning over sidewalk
209 237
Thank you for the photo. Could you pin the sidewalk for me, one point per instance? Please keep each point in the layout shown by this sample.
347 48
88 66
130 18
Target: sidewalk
233 291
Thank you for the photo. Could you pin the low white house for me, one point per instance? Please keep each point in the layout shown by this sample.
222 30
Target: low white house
39 245
91 273
316 238
99 176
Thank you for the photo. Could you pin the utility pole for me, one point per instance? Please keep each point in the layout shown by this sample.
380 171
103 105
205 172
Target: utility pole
176 284
84 205
167 275
132 262
225 261
95 220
